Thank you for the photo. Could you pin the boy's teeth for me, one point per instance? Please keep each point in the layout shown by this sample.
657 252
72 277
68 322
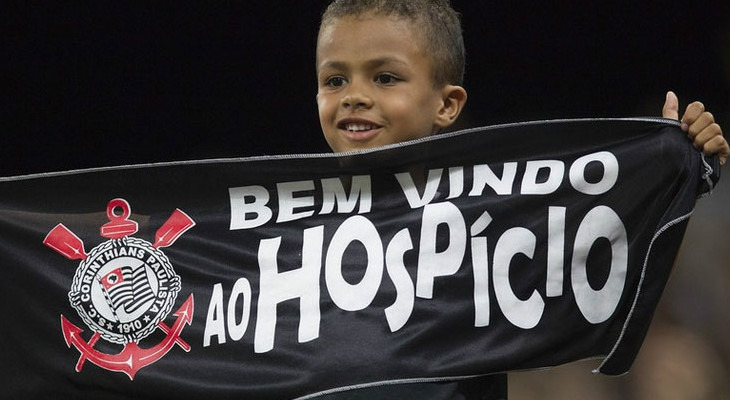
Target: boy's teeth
359 127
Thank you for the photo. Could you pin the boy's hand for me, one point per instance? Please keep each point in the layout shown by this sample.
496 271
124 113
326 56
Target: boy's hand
700 125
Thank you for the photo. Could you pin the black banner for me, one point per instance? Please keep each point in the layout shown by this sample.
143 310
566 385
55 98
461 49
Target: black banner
476 252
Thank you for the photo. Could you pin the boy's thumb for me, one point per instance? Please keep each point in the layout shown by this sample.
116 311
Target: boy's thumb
671 106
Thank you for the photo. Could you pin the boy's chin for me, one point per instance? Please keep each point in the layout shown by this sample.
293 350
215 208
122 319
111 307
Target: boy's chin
359 140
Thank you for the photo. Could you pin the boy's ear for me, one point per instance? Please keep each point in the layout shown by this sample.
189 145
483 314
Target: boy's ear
454 99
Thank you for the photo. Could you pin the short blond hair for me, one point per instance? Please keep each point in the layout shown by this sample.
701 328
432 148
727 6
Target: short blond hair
436 22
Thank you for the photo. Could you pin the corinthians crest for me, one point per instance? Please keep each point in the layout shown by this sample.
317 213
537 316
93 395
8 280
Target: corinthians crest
123 290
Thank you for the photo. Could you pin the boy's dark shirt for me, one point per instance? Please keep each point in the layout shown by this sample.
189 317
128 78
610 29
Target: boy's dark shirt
490 387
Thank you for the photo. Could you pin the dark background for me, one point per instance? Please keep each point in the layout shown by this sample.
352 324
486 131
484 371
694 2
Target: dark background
117 82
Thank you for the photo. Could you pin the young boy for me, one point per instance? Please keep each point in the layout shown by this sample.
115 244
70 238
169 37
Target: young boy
390 71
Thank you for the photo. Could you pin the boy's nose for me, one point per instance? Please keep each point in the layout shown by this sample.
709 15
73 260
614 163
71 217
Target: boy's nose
356 99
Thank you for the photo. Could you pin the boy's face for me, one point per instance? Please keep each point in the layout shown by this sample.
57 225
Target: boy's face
375 84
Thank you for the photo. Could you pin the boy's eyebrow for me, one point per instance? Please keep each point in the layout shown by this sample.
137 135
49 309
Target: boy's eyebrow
374 63
378 62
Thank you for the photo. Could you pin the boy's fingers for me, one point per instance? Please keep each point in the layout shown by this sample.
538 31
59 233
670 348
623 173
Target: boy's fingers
693 112
671 106
706 135
702 122
717 145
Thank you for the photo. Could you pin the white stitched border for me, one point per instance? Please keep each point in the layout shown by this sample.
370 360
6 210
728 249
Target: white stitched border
641 282
388 383
322 155
706 176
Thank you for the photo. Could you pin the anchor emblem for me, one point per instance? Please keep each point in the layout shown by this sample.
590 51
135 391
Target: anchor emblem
123 290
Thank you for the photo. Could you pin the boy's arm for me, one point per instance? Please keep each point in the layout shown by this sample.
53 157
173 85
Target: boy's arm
700 125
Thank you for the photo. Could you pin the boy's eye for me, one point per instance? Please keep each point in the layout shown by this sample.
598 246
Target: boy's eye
335 81
385 79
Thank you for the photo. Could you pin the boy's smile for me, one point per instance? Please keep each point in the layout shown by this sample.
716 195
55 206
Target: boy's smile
375 84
